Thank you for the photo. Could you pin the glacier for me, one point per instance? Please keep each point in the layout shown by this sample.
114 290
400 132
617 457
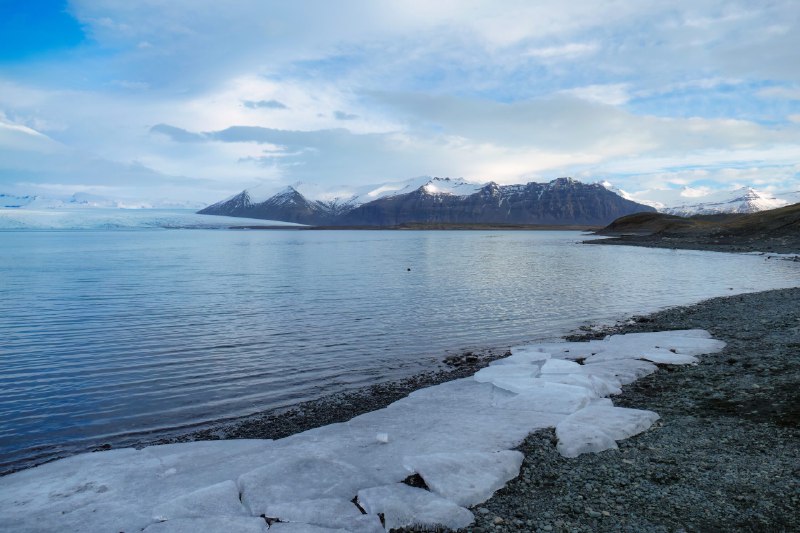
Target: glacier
76 218
457 436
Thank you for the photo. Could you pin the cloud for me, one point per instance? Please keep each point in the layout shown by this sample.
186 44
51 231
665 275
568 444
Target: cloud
178 134
558 135
611 94
341 115
639 91
788 93
566 51
264 104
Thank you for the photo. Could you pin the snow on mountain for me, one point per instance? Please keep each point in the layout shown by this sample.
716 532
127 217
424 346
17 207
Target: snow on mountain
562 201
14 201
744 200
353 196
689 201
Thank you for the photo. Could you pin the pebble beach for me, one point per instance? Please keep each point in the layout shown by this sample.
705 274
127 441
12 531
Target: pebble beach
725 454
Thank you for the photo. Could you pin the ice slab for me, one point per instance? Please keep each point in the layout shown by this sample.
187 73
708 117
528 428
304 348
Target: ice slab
670 358
635 345
560 366
209 524
404 506
221 499
289 527
549 397
561 350
309 478
597 427
597 384
577 439
491 373
117 490
335 513
624 370
301 478
466 478
618 422
522 357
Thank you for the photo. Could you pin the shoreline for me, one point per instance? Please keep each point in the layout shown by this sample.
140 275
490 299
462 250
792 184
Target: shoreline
727 425
723 456
337 407
777 246
433 226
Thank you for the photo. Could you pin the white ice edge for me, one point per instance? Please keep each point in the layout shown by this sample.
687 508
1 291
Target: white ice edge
102 218
458 436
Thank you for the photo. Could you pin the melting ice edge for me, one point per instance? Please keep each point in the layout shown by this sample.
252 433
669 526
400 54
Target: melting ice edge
458 436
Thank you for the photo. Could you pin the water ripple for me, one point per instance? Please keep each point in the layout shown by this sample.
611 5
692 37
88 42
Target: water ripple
105 336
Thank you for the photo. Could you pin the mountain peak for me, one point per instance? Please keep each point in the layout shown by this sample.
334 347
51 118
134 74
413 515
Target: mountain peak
742 200
440 200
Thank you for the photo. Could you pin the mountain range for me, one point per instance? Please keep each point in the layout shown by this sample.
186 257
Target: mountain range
742 200
563 201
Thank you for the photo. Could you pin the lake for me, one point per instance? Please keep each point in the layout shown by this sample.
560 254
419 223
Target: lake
107 335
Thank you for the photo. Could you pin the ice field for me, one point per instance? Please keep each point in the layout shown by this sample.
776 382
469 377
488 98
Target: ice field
130 219
458 436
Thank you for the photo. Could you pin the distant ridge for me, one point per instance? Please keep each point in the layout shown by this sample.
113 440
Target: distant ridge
775 230
563 201
743 200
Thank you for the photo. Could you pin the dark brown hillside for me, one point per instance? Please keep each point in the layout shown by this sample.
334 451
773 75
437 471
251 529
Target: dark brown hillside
776 230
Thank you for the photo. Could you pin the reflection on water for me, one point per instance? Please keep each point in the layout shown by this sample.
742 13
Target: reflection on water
105 334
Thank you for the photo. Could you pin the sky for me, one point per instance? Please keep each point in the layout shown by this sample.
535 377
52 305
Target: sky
195 100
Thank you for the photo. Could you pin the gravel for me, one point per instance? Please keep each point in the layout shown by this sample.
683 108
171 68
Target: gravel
725 455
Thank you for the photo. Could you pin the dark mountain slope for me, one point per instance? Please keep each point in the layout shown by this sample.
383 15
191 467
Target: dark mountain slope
776 230
563 201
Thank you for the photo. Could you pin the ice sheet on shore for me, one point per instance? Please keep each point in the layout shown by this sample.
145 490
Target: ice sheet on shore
456 436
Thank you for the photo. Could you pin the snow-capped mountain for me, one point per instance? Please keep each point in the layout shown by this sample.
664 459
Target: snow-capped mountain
301 201
744 200
688 201
434 200
353 196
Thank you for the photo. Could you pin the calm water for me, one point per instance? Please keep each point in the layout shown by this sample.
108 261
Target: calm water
105 335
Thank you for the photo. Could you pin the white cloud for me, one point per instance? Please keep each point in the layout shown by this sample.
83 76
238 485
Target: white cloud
504 91
699 192
612 94
788 93
566 51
